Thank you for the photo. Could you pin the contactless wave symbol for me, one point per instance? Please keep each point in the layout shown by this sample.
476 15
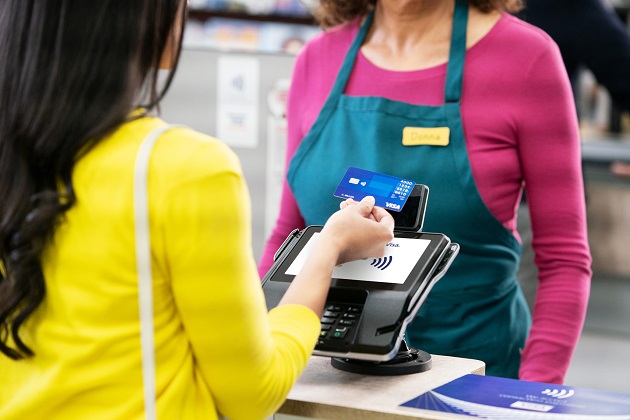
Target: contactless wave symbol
382 263
559 393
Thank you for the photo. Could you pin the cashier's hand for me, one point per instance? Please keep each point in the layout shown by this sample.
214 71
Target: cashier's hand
360 230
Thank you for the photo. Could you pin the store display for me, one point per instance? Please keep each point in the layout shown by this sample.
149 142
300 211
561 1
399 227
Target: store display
249 25
241 35
285 7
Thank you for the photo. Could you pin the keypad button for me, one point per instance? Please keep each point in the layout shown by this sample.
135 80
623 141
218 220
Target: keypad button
339 332
328 320
336 325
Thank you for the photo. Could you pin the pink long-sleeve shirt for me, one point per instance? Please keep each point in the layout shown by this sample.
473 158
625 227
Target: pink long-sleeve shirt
521 129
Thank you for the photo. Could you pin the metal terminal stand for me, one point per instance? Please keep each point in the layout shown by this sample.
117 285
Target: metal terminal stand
408 360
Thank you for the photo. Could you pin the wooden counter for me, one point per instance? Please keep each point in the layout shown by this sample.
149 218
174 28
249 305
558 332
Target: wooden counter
324 392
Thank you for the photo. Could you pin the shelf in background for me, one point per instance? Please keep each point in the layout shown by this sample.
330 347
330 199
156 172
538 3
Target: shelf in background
236 32
204 14
606 149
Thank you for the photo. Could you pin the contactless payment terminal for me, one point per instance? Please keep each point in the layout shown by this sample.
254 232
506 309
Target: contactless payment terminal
390 192
401 256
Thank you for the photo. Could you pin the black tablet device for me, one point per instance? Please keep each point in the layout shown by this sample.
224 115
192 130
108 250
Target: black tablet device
371 301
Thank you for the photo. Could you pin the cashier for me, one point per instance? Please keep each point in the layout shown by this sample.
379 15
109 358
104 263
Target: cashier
476 104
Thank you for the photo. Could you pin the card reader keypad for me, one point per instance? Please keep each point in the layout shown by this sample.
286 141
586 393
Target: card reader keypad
339 323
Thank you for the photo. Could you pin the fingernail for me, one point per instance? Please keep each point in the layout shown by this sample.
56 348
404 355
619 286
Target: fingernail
369 199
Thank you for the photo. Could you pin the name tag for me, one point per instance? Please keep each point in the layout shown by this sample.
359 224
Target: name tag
416 136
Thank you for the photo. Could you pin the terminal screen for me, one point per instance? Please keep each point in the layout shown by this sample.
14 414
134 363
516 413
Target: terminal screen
401 256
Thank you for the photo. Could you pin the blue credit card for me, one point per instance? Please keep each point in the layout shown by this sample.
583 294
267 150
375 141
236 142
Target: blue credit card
389 191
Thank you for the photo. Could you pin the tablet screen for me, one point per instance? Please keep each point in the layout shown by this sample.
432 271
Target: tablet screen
401 256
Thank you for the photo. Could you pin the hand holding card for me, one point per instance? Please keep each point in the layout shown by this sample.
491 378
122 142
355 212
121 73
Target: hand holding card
389 192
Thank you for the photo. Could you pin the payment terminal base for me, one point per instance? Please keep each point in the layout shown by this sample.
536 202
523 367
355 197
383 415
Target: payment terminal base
408 360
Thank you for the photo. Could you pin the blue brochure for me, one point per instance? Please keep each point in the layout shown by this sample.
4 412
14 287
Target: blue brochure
389 191
490 397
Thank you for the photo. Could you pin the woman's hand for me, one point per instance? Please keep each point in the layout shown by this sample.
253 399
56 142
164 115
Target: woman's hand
359 230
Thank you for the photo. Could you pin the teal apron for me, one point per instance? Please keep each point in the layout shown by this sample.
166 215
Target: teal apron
477 310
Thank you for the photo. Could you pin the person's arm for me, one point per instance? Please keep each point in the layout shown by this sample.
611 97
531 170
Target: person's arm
249 359
590 34
549 150
358 231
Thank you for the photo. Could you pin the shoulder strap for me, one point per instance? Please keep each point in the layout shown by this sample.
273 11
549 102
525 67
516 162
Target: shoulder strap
143 266
457 53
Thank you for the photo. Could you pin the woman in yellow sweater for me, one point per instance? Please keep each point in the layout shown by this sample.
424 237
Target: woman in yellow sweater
70 75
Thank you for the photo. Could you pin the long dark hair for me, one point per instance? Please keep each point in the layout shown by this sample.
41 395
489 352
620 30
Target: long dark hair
71 71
